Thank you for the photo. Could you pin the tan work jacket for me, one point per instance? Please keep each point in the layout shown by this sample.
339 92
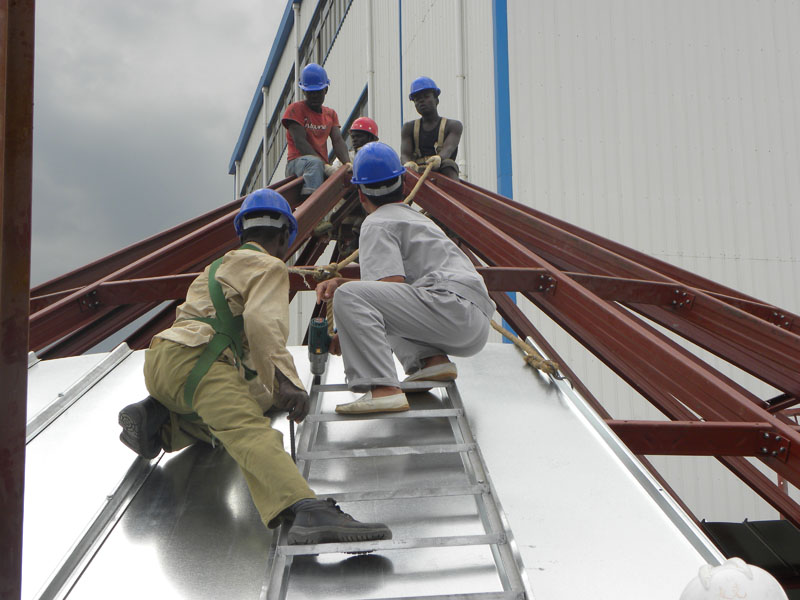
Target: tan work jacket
256 286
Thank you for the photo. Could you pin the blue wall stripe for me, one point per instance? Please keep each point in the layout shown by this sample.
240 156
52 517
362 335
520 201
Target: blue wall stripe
502 109
502 100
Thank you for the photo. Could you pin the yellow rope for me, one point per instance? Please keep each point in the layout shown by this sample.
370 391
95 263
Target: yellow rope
332 270
532 357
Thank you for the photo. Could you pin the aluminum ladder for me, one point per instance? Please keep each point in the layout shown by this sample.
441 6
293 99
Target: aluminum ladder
496 534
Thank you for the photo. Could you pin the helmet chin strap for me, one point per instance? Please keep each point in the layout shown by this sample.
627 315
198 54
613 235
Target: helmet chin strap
381 191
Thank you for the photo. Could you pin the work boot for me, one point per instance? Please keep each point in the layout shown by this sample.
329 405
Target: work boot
368 404
443 372
141 426
323 522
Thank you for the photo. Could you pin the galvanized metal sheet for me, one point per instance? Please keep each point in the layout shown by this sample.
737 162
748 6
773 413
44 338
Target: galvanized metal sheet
574 501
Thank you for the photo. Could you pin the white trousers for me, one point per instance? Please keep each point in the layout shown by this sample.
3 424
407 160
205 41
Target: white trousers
376 318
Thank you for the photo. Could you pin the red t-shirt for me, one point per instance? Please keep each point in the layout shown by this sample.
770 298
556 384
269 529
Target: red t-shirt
318 127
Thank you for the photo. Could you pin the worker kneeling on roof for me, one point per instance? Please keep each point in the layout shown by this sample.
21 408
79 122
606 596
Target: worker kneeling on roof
224 362
418 296
308 125
431 138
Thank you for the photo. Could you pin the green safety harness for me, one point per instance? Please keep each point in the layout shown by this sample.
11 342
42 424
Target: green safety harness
227 334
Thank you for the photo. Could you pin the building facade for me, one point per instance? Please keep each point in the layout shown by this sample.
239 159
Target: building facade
672 127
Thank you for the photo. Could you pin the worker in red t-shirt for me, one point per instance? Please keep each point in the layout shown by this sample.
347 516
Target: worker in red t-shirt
308 125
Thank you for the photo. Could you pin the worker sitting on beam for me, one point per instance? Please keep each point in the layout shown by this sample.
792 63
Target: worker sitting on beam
430 138
308 125
419 296
224 362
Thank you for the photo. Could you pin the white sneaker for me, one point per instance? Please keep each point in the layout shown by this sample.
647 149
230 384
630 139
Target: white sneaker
443 372
367 404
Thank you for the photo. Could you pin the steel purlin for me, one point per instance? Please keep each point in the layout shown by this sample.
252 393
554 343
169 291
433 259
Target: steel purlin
728 295
599 323
98 269
771 350
63 317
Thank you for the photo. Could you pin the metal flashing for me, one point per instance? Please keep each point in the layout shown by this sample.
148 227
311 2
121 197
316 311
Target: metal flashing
65 399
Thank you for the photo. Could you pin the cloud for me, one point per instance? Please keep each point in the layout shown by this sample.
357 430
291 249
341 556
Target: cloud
137 108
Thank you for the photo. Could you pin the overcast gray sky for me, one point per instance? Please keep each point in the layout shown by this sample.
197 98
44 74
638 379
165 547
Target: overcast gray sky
138 106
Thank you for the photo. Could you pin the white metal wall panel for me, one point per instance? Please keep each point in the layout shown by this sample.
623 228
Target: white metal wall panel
672 127
429 48
346 64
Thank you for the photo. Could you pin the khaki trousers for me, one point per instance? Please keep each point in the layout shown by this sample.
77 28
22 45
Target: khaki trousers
223 408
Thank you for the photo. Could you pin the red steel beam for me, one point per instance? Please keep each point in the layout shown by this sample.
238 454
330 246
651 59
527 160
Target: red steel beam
670 271
200 246
113 262
488 240
767 351
140 339
319 204
617 339
16 155
699 438
96 331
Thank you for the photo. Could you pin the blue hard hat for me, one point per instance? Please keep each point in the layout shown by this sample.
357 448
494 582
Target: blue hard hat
420 84
376 162
313 78
266 200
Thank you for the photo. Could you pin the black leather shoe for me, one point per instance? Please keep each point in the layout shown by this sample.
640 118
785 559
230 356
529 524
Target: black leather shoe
141 425
323 522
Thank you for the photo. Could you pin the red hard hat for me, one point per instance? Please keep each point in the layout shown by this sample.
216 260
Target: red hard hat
365 124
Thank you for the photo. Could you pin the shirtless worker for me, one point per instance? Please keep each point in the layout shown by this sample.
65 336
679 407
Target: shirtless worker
419 295
213 374
430 138
308 125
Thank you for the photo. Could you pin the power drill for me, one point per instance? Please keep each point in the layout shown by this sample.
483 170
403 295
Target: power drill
318 343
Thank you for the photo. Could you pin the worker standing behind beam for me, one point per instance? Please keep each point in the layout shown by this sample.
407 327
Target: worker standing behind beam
363 131
224 362
308 125
419 295
431 137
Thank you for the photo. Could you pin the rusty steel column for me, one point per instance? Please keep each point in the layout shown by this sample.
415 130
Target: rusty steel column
16 157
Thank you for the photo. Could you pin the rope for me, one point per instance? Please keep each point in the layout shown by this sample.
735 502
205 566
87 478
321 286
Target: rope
532 357
332 270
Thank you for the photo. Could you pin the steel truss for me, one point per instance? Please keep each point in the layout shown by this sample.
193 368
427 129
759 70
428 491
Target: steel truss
605 295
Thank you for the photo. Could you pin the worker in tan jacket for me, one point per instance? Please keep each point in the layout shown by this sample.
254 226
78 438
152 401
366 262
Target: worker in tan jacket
224 362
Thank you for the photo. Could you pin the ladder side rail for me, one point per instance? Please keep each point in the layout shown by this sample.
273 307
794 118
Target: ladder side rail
277 583
508 566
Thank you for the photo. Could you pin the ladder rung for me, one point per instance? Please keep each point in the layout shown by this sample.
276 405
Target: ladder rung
411 414
402 544
391 451
509 595
431 492
408 386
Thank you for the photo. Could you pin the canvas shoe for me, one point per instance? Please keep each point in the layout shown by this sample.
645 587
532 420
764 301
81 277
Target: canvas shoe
367 404
443 372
